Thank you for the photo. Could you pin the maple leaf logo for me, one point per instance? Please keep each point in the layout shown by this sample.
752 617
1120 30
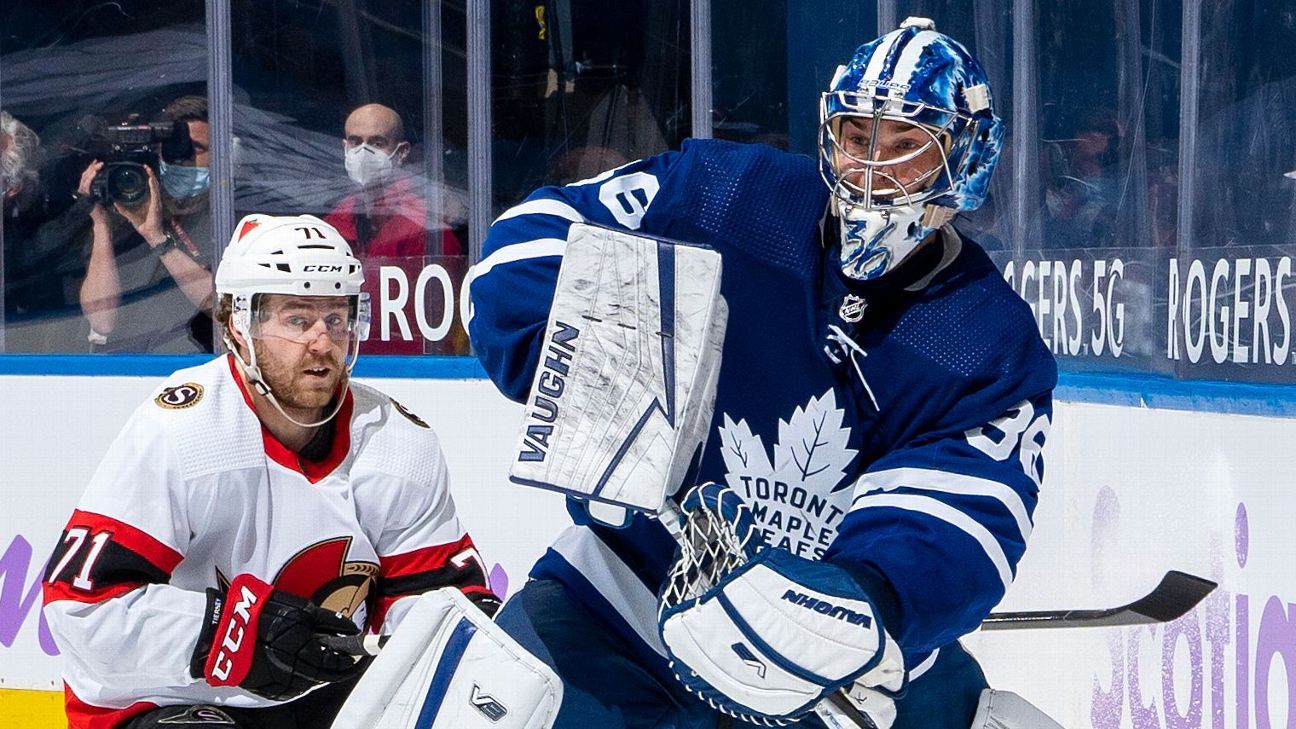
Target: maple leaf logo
811 448
808 463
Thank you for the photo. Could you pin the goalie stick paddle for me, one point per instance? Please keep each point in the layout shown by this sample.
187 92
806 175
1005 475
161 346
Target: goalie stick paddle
1178 593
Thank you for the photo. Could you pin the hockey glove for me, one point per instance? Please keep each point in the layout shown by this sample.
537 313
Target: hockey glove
270 642
776 636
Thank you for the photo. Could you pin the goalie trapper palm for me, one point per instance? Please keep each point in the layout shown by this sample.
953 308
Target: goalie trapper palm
719 536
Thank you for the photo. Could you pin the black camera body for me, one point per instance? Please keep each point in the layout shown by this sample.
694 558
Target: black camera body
126 150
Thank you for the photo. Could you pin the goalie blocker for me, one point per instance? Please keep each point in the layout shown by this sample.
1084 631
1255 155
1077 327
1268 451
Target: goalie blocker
622 400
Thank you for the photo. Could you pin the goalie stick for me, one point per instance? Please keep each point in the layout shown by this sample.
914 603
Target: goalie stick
1177 593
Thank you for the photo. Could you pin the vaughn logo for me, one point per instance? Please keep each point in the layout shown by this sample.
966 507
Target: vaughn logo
800 492
823 607
486 704
549 386
747 657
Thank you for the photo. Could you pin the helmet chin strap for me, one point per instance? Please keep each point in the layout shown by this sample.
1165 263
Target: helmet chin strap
257 381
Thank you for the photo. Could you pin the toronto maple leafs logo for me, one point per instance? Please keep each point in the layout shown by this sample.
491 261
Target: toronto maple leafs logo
800 494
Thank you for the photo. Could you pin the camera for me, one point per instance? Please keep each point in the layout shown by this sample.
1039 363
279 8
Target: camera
127 149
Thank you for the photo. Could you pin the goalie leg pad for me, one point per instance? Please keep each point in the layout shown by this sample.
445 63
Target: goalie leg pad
449 667
1007 710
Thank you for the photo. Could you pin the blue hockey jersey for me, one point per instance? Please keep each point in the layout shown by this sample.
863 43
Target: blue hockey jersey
902 444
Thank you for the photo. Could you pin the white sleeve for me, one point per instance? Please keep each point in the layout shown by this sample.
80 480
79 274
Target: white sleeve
116 620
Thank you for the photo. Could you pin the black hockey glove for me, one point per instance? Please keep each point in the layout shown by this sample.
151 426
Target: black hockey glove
270 642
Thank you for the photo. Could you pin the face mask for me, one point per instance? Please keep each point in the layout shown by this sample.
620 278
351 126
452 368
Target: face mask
366 165
874 242
182 182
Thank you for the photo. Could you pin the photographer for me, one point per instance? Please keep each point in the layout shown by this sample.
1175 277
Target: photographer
149 256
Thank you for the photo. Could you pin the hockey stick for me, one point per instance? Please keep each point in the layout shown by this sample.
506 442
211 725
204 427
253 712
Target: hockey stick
1178 593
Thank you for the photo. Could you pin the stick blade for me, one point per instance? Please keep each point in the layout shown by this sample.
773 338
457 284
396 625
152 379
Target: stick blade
1177 593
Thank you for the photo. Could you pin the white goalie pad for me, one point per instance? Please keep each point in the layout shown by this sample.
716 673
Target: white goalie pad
449 667
1007 710
623 394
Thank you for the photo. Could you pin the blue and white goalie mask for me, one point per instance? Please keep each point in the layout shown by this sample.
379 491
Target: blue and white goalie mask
907 139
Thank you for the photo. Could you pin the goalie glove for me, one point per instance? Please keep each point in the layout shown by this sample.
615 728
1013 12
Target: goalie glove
269 642
778 635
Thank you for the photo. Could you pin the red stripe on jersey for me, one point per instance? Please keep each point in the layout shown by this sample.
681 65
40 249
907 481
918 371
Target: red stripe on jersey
89 541
87 716
426 559
314 471
380 611
124 535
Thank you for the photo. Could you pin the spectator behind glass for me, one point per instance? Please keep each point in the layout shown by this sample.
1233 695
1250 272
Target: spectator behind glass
19 146
387 218
19 203
1082 200
387 215
148 284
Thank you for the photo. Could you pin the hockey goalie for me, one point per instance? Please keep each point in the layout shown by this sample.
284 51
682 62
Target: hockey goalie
873 451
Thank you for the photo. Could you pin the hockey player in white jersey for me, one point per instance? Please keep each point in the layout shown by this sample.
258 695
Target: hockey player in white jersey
881 406
252 508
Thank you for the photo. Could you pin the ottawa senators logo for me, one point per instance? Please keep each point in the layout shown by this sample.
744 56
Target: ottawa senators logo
412 417
321 574
180 396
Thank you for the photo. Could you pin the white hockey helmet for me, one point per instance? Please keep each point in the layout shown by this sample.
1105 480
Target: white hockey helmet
298 255
293 255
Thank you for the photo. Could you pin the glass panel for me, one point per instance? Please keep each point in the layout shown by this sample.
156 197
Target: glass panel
354 111
749 66
1230 287
88 79
581 86
822 34
1245 161
984 27
1108 122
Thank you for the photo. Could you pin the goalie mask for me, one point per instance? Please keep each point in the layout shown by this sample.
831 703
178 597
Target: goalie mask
907 139
304 258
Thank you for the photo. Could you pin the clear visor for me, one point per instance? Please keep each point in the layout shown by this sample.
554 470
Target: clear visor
305 319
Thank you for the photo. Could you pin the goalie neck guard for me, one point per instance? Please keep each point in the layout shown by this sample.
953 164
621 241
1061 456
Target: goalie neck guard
924 86
292 255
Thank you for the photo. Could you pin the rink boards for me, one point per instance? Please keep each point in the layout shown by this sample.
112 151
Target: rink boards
1129 493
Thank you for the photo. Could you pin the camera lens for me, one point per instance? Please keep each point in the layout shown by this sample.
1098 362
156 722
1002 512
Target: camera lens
128 184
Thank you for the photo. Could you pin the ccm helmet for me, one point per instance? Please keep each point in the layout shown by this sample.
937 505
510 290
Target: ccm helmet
294 255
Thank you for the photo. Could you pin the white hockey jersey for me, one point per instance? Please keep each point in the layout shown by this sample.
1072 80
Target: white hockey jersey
194 491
